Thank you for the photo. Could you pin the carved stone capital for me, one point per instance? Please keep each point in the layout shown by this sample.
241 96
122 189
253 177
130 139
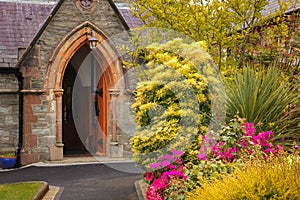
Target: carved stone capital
58 93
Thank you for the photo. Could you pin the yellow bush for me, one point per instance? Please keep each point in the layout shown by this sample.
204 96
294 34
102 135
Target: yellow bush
277 178
172 99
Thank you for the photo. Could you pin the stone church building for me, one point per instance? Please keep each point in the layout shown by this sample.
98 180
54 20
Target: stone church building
59 94
63 90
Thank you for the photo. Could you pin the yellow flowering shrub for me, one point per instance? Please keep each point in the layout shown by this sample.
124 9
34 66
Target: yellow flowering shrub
172 100
275 178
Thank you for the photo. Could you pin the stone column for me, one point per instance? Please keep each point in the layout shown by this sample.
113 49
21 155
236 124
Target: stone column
113 99
56 152
115 149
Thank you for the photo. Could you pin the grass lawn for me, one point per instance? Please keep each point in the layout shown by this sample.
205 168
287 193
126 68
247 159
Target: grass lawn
19 191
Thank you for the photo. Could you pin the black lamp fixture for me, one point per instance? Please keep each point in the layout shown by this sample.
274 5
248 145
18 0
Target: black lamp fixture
93 41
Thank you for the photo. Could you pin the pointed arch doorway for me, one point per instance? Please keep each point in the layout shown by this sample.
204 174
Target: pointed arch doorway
96 126
84 106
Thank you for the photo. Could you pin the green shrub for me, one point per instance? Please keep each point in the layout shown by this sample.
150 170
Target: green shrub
264 98
172 100
275 178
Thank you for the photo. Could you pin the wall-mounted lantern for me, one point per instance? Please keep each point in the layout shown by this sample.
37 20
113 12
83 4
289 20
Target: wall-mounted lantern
93 41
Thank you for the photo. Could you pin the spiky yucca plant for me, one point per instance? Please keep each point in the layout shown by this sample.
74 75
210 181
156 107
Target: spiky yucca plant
267 100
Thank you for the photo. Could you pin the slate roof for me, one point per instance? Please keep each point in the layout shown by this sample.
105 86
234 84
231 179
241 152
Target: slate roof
273 6
131 21
21 20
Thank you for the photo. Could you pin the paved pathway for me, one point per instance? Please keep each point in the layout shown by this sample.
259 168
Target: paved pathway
82 181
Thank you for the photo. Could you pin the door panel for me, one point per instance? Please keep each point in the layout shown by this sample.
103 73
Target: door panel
101 104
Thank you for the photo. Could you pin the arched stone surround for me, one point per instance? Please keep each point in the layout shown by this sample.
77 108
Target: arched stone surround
107 58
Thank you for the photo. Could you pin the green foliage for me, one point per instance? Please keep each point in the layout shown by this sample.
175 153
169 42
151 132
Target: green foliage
8 155
264 98
275 178
236 31
172 100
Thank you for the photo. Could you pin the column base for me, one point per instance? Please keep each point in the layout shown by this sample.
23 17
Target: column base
115 150
56 152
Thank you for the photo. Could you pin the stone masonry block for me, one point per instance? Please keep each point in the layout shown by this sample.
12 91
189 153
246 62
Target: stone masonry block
32 99
30 71
40 109
28 158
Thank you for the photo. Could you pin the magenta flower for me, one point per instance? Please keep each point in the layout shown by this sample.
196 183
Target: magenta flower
270 150
149 176
202 156
168 157
153 193
279 147
177 153
155 165
172 167
160 158
165 163
173 173
159 183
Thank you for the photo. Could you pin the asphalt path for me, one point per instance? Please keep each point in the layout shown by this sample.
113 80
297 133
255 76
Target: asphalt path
88 181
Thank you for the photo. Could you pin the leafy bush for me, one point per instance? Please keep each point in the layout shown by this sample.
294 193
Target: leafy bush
224 151
172 100
264 98
275 178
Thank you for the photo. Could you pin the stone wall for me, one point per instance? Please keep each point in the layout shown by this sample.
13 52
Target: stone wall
9 112
39 126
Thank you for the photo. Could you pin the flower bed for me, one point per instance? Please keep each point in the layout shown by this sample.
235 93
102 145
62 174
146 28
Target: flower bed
177 174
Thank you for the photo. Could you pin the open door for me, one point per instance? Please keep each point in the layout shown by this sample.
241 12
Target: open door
101 112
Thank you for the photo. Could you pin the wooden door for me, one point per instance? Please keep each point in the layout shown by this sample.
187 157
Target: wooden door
101 112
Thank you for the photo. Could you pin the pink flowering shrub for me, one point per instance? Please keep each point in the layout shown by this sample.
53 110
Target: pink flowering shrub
167 173
224 151
231 146
177 173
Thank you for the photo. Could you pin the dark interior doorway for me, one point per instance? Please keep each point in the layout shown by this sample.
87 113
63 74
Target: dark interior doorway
73 145
84 105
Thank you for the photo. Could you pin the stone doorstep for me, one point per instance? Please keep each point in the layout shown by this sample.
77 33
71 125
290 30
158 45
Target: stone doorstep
83 160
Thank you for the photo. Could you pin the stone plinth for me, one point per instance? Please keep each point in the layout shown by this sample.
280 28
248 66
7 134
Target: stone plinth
115 150
56 152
